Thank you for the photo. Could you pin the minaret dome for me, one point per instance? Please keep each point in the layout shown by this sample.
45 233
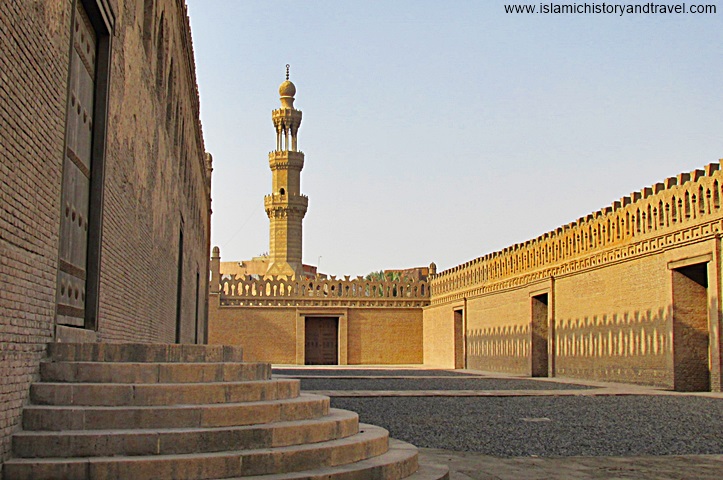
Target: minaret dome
287 90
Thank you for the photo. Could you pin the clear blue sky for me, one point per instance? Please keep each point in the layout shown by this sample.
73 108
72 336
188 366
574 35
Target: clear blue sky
444 130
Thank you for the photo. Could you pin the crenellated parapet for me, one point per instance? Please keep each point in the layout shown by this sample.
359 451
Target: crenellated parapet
668 213
344 292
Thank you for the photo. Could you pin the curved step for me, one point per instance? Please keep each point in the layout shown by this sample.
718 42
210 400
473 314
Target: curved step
369 442
399 461
127 372
120 394
143 352
428 471
57 418
98 443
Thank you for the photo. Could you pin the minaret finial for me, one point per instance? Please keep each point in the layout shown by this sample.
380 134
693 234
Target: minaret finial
287 71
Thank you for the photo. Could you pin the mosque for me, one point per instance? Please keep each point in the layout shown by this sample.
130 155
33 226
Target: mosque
105 324
629 293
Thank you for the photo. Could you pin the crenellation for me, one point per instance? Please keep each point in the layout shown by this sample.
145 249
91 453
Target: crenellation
696 174
676 201
711 167
683 178
235 291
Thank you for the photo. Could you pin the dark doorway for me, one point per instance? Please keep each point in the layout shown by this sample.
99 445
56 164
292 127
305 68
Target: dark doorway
691 339
198 289
179 285
540 334
459 339
321 344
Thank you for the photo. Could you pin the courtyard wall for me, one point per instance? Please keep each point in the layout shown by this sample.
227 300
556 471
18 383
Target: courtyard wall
377 322
607 297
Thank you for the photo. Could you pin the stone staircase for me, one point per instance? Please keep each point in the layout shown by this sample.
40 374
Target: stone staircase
158 411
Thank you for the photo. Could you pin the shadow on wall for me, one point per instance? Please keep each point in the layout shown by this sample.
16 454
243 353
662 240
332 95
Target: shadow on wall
502 348
657 348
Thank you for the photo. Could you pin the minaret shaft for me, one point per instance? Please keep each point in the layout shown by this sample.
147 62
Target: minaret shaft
286 206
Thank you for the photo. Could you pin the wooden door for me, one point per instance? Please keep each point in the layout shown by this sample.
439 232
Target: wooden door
73 243
322 341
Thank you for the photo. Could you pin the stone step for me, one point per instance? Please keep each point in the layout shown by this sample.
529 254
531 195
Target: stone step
399 461
127 394
369 442
143 352
429 471
57 418
126 372
145 441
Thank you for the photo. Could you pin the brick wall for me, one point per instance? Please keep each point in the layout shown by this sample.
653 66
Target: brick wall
154 176
33 71
155 181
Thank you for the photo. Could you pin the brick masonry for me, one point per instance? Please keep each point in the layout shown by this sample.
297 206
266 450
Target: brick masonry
157 178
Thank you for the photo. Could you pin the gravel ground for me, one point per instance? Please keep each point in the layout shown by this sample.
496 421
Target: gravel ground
550 426
357 372
444 383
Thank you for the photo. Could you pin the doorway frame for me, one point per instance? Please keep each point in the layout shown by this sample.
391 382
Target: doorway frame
551 334
712 263
540 304
342 314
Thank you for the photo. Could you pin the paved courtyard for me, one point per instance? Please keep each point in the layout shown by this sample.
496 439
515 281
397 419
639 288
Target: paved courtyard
492 426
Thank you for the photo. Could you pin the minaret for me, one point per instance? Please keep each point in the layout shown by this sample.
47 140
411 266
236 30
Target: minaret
286 206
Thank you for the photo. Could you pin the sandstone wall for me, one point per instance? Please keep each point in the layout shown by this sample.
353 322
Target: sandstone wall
155 175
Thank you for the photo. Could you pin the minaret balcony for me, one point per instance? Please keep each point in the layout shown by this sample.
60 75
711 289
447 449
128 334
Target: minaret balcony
277 201
286 159
287 116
